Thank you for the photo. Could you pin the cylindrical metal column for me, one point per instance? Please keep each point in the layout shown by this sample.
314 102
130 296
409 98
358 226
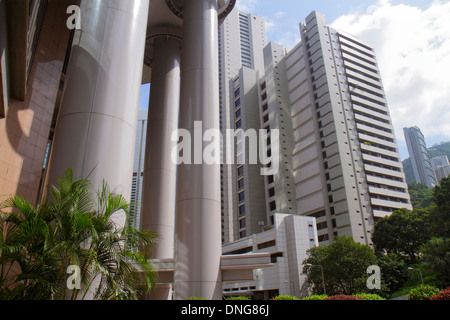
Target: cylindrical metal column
160 172
198 221
95 132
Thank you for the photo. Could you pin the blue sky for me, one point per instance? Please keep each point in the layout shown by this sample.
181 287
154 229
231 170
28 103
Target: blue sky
412 43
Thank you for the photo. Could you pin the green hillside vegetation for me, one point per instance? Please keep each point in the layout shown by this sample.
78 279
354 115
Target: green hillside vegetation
434 151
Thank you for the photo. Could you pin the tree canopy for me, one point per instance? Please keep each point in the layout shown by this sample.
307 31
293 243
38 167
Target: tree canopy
344 264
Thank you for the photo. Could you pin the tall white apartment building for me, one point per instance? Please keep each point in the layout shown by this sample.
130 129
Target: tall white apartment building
339 160
347 168
420 159
242 38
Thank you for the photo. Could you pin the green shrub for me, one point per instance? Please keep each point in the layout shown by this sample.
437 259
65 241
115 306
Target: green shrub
196 298
285 297
423 292
316 297
238 298
369 296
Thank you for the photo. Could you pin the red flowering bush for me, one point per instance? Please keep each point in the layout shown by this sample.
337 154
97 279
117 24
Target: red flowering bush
343 297
443 295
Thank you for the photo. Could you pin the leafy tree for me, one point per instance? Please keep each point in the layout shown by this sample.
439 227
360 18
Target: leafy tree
394 273
437 255
72 227
421 195
403 232
344 263
441 213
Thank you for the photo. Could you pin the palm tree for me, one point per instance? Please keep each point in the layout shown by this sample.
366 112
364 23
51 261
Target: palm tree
73 227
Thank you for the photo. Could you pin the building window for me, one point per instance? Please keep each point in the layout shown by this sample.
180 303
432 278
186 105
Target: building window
241 184
241 196
238 124
322 225
242 210
237 92
271 192
242 224
267 244
270 179
243 234
238 113
272 206
240 171
237 103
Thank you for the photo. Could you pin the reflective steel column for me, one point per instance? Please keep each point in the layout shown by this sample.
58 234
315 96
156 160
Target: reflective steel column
198 220
97 121
160 172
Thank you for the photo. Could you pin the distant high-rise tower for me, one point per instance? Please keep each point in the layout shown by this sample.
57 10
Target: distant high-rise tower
138 169
441 167
420 159
242 38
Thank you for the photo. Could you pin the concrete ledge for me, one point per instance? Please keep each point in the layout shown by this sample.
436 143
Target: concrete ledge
235 268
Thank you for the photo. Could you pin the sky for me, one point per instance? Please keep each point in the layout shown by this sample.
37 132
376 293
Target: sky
412 43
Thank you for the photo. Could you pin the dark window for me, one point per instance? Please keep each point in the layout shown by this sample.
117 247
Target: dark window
241 196
271 192
240 171
273 206
267 244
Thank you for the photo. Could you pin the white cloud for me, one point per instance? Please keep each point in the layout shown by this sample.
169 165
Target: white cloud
247 6
280 14
413 50
270 25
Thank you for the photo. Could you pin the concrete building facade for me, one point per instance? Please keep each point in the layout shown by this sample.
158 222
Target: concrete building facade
287 242
347 168
338 155
242 38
